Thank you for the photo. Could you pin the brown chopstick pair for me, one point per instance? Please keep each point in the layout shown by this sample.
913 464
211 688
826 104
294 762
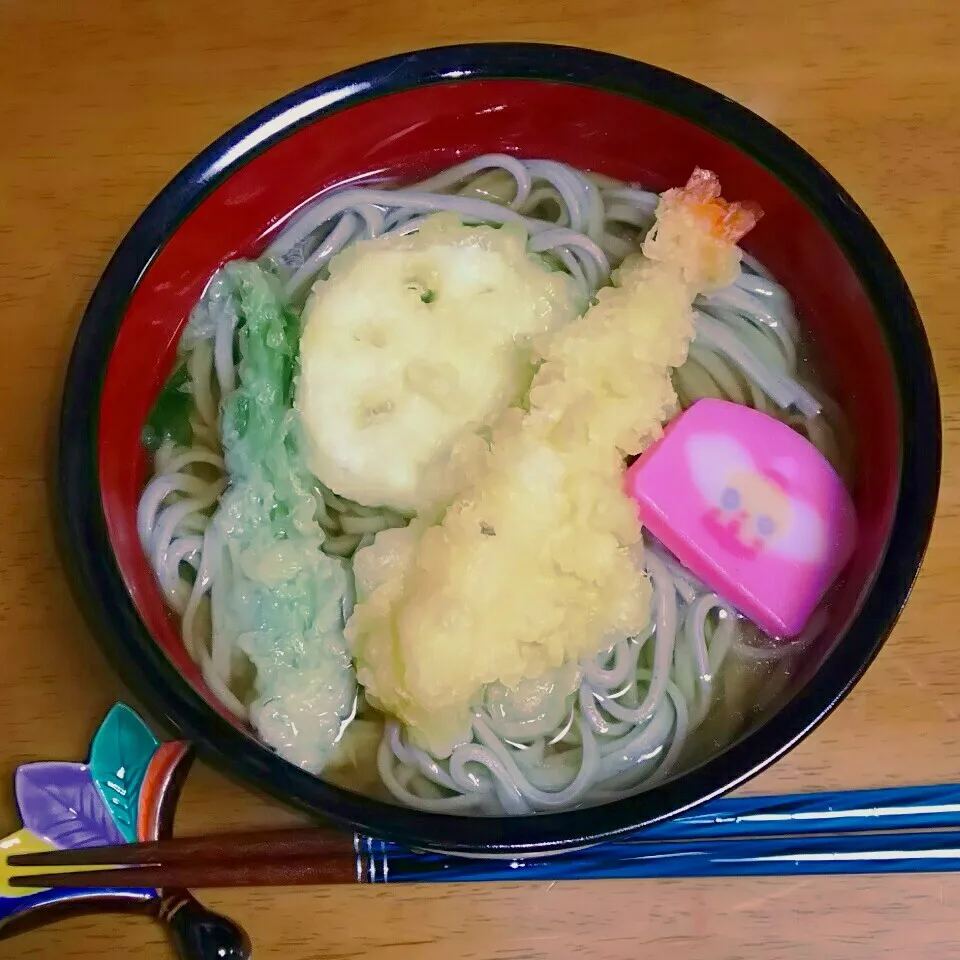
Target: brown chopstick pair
266 858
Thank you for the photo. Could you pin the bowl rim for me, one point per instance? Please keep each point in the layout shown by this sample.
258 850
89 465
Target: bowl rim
99 584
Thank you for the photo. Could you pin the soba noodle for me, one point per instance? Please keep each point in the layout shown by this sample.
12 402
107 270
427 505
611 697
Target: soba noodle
620 722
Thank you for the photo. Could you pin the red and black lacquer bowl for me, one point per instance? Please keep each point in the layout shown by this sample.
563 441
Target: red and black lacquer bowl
406 117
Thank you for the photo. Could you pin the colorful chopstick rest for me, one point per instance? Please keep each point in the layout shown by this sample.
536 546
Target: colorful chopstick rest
128 791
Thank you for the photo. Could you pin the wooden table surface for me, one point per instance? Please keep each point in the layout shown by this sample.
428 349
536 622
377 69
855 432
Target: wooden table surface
103 100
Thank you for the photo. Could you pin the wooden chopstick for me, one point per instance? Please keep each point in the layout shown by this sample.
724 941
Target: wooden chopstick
254 845
333 868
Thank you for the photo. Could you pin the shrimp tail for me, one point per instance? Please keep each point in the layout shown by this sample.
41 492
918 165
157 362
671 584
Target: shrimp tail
697 231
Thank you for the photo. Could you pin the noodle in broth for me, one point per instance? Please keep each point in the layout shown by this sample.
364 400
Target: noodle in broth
607 727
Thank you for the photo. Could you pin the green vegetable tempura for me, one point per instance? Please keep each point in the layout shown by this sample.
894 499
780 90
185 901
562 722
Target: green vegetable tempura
279 599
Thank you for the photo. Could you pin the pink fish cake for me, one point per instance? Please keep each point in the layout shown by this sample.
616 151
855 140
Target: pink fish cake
750 507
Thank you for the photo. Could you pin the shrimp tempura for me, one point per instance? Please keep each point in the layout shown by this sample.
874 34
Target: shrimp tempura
537 562
697 230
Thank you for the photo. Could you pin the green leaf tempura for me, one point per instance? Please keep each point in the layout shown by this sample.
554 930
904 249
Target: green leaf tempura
279 599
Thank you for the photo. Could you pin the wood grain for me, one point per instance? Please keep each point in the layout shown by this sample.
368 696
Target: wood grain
103 100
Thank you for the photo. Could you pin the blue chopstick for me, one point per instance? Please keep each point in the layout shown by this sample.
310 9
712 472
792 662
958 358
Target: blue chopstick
838 811
904 852
886 830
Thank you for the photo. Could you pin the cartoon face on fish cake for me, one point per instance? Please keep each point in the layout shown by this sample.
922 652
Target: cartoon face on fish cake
751 507
753 510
